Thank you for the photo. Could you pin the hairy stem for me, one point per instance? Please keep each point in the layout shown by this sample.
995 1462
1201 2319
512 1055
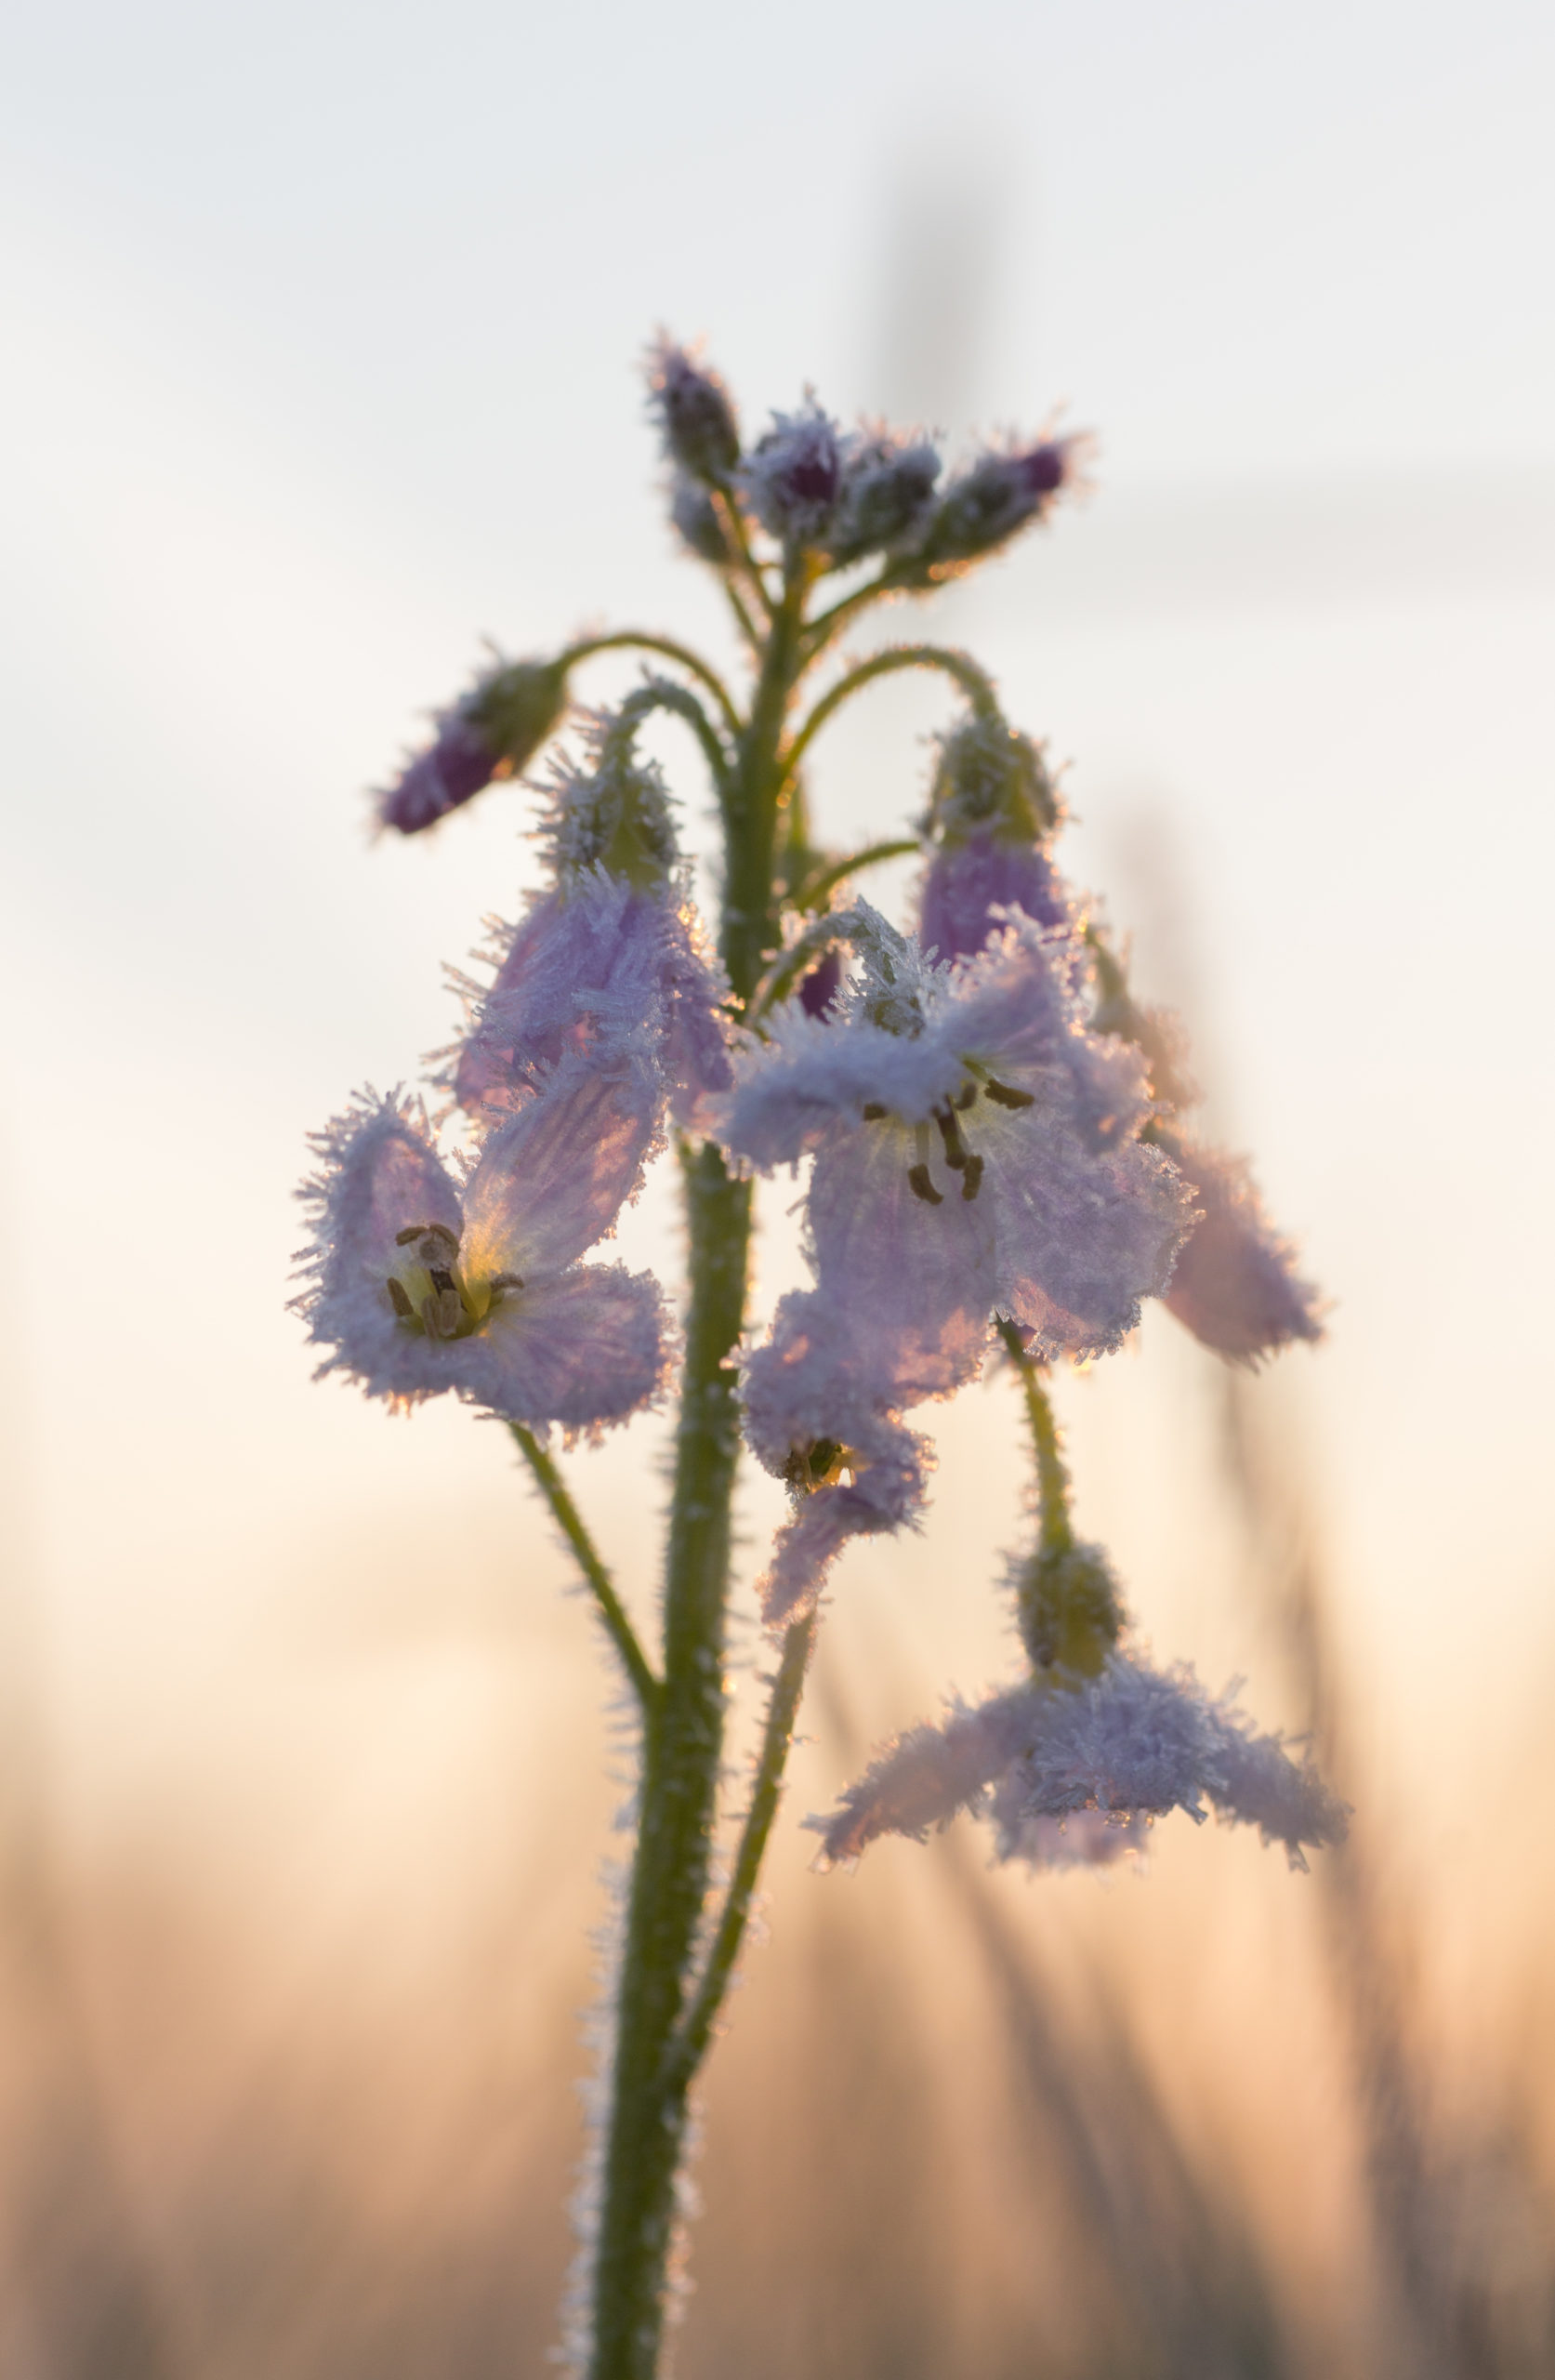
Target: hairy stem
1052 1472
813 891
637 641
682 1751
612 1610
690 2044
975 684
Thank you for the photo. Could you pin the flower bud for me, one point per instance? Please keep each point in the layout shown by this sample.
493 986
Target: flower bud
990 776
985 505
1069 1608
695 517
494 730
887 488
701 434
794 477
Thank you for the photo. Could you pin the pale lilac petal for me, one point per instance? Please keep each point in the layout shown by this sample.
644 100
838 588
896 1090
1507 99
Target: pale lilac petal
914 1281
971 881
886 1492
1082 1238
787 1097
693 989
380 1175
924 1777
586 1347
584 963
1235 1286
1019 1009
552 1179
1259 1784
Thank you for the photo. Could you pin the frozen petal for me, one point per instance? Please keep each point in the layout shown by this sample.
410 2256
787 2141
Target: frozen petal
696 1054
553 1177
788 1095
584 1348
914 1280
925 1777
969 883
583 964
890 1471
1082 1238
380 1175
1235 1286
1257 1783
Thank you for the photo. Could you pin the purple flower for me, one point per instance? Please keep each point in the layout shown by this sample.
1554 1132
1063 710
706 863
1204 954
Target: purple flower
821 987
985 506
701 434
612 949
993 807
794 476
1125 1748
823 1399
422 1282
1235 1286
494 729
975 1147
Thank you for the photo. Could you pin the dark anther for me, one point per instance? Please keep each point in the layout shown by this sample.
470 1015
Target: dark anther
949 1132
442 1279
872 1112
972 1178
965 1099
399 1301
921 1186
1002 1095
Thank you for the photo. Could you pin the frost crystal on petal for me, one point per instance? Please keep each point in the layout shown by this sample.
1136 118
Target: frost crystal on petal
1235 1286
794 476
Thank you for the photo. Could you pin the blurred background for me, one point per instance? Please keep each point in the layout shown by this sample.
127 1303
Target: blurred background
326 325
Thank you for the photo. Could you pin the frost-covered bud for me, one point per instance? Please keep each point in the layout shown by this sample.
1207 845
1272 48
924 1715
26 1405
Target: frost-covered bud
1069 1607
888 486
614 812
494 731
985 505
695 414
696 521
992 806
821 987
793 477
1235 1286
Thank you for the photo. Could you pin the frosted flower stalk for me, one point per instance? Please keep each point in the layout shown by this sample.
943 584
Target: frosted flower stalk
994 1166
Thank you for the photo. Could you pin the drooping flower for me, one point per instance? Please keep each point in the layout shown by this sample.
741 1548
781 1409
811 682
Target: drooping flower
975 1147
494 729
1123 1748
695 413
612 948
822 1400
793 476
422 1281
993 810
1235 1286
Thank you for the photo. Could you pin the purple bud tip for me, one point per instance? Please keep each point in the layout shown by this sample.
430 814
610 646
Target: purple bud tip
822 984
1043 469
455 767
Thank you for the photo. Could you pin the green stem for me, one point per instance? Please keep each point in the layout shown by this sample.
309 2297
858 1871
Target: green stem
690 2044
662 693
813 891
894 579
1053 1472
636 641
613 1611
974 682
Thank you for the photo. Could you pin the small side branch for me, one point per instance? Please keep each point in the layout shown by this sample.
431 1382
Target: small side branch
612 1610
637 641
814 888
1051 1471
663 693
688 2044
975 684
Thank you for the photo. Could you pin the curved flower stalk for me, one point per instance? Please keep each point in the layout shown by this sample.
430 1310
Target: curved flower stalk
422 1282
995 1152
611 948
976 1149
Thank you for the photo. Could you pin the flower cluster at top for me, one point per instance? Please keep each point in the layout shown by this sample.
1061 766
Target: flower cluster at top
999 1160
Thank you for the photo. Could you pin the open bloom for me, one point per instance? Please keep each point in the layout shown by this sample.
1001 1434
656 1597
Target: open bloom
611 950
1122 1749
975 1147
422 1282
